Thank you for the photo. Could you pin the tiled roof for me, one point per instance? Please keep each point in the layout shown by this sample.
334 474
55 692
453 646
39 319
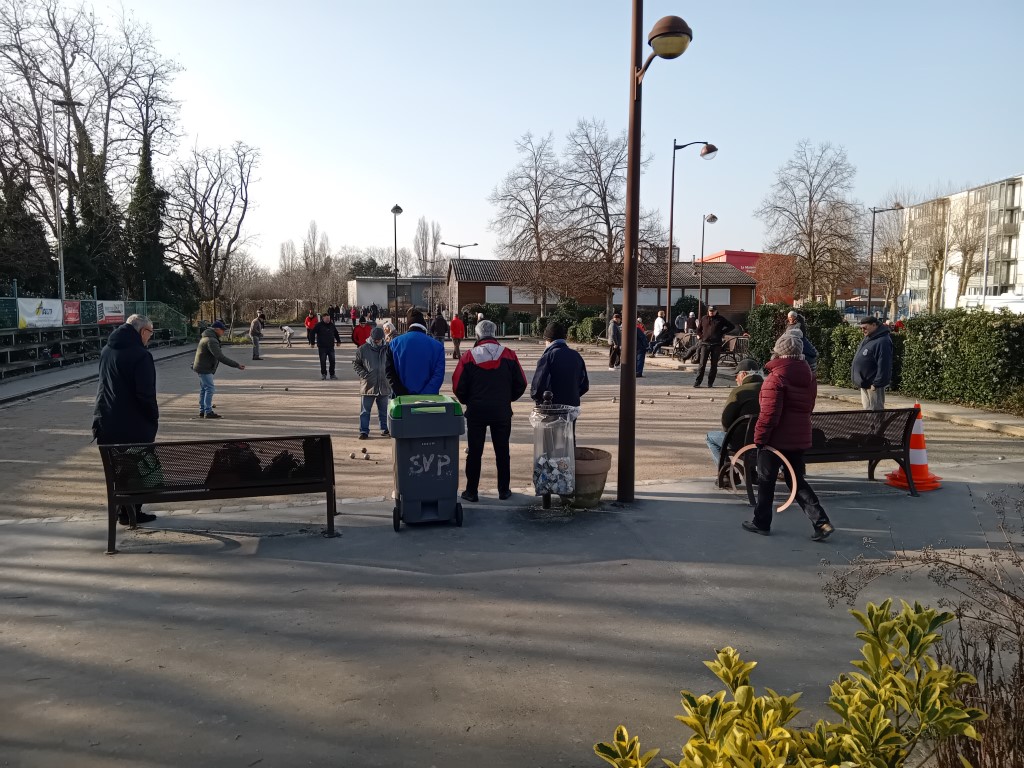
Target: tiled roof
495 271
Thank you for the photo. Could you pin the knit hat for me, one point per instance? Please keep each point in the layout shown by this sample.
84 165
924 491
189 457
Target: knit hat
377 334
554 331
747 365
219 326
789 345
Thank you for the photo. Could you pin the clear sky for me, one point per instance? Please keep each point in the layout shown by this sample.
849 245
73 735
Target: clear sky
359 105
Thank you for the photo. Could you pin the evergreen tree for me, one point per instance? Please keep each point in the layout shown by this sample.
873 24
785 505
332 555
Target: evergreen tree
25 255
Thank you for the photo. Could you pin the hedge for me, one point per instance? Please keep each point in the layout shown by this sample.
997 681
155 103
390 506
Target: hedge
766 322
587 330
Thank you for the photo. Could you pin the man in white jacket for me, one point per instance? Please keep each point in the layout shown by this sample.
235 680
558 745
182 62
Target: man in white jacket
657 339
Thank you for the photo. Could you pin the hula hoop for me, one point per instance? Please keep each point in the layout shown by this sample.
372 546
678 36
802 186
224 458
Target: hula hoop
785 463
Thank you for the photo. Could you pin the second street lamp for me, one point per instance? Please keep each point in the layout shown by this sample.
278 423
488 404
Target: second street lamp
708 151
396 211
871 256
708 218
460 246
669 38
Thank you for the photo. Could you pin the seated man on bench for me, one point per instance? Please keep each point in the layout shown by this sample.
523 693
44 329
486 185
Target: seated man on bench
742 401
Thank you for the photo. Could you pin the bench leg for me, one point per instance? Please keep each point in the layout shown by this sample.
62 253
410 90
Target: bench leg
332 511
871 468
111 529
912 489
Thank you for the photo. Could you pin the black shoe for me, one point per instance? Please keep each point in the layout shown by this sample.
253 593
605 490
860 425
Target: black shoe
639 375
749 526
710 385
202 415
257 358
140 517
364 435
696 384
822 532
323 377
470 496
505 495
385 433
333 377
212 415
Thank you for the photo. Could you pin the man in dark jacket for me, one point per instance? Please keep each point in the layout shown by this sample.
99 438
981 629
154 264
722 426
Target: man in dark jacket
256 334
615 342
872 365
415 360
439 327
784 423
712 329
487 380
742 401
325 334
126 409
560 370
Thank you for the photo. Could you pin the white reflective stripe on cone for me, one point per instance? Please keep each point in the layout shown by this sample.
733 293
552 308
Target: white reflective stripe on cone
918 456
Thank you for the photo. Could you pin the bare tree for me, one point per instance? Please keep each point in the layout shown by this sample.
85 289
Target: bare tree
241 281
776 278
967 235
928 232
421 242
529 208
893 246
206 212
809 213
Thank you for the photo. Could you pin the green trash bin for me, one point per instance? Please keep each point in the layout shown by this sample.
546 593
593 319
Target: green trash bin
426 430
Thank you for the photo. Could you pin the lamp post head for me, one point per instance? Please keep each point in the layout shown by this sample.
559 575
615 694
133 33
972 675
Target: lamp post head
711 218
397 210
670 37
708 151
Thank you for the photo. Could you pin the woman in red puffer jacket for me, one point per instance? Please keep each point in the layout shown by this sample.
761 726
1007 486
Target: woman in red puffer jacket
787 400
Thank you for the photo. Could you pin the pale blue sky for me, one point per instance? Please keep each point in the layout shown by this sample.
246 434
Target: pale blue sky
357 106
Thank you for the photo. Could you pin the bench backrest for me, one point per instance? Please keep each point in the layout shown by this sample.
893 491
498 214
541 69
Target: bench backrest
218 465
846 433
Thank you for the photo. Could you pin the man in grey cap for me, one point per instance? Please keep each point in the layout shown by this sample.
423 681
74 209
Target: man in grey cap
209 355
872 365
370 366
742 401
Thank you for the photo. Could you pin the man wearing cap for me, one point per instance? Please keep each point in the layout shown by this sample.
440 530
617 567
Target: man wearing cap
615 342
208 357
560 370
415 360
370 367
872 365
361 332
325 334
742 401
712 329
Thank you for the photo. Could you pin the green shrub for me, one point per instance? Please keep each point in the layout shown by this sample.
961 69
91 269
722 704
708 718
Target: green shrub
537 329
496 313
587 330
899 698
685 305
821 321
765 323
514 320
844 342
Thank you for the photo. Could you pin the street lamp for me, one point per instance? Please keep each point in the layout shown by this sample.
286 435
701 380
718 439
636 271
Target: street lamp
66 106
709 218
708 151
397 211
871 256
459 247
669 38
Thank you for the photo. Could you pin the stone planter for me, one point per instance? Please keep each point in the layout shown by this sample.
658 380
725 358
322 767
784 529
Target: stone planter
592 467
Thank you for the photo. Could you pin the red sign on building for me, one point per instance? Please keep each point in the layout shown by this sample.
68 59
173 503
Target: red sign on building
72 312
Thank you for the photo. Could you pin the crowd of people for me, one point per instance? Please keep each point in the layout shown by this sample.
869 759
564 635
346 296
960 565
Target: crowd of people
488 378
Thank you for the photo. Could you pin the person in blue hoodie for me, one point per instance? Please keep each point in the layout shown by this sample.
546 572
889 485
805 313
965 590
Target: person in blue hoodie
872 365
560 370
415 360
126 410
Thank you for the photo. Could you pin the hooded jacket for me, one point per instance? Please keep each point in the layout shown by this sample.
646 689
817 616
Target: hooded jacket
370 365
561 371
872 365
487 380
209 354
787 401
126 409
415 363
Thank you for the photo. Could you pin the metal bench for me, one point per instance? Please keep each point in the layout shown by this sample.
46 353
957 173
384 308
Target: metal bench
198 470
837 436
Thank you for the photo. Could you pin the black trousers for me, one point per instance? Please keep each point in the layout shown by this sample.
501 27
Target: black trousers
326 353
476 431
709 352
768 465
614 356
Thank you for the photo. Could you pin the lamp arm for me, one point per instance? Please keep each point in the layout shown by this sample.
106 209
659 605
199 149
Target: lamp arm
642 71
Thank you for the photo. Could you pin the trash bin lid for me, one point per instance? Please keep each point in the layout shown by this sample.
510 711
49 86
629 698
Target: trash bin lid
553 409
413 404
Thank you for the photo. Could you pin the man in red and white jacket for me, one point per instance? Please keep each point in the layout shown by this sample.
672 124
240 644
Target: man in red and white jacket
487 380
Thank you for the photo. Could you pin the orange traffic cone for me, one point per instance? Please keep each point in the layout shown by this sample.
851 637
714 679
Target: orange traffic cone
923 479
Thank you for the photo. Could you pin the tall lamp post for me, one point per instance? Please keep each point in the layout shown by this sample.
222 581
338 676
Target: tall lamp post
871 256
66 106
708 151
708 218
459 247
397 211
669 39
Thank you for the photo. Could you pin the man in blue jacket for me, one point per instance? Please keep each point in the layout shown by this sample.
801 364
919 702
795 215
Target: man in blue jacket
415 361
560 370
872 365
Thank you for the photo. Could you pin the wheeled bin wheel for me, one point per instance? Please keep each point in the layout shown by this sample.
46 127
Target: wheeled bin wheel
458 515
396 518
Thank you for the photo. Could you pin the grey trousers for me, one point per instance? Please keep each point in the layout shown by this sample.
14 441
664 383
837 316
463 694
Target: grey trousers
873 399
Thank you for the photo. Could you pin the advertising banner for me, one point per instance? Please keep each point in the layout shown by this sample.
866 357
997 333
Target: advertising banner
72 312
109 312
40 313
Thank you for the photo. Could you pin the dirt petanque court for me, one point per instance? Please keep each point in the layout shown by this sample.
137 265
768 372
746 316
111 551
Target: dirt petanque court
239 636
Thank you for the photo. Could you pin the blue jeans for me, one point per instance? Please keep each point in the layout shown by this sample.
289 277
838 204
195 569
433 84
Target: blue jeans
715 440
641 358
364 412
206 390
